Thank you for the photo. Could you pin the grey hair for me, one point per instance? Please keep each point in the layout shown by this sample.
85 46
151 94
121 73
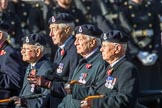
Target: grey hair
64 25
5 35
124 45
43 48
97 39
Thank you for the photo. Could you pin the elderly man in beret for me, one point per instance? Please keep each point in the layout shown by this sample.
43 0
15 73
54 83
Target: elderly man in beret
120 86
66 57
11 68
33 51
90 70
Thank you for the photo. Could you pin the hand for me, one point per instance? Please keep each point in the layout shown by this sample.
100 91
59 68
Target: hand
39 81
19 101
68 88
86 103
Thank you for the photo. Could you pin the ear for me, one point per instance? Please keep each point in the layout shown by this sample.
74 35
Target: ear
38 52
118 48
93 42
67 29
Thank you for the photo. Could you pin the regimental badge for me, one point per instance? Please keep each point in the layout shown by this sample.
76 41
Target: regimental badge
82 78
27 39
104 36
32 88
80 29
60 68
110 82
53 19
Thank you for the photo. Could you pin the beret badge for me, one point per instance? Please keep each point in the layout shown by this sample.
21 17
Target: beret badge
104 36
53 19
80 29
27 39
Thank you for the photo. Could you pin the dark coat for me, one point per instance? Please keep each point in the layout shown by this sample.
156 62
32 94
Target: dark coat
11 72
43 67
124 92
64 66
91 76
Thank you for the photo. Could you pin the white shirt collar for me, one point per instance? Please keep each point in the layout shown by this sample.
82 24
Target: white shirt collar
117 61
91 53
33 64
63 45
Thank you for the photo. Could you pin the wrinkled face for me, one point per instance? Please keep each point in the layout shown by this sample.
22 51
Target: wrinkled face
83 44
108 51
3 4
57 34
65 2
29 53
137 1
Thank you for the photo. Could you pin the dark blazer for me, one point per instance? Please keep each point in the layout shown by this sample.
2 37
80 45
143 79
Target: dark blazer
43 67
124 92
11 72
90 75
64 66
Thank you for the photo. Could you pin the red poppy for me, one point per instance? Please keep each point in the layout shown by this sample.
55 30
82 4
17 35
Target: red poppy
33 72
62 52
88 66
2 52
109 72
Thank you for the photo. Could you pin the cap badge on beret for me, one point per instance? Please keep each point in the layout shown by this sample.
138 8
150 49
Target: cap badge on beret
80 29
27 39
104 36
53 19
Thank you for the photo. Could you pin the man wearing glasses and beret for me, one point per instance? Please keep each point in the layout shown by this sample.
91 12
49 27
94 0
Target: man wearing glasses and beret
33 52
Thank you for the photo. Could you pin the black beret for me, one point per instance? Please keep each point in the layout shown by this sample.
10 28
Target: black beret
114 36
34 38
61 18
88 29
4 26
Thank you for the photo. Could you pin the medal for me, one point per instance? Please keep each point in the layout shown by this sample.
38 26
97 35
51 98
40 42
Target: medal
110 81
82 78
60 68
32 73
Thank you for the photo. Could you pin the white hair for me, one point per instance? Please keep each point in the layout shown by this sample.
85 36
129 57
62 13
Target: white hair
43 48
124 45
64 25
98 40
5 35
